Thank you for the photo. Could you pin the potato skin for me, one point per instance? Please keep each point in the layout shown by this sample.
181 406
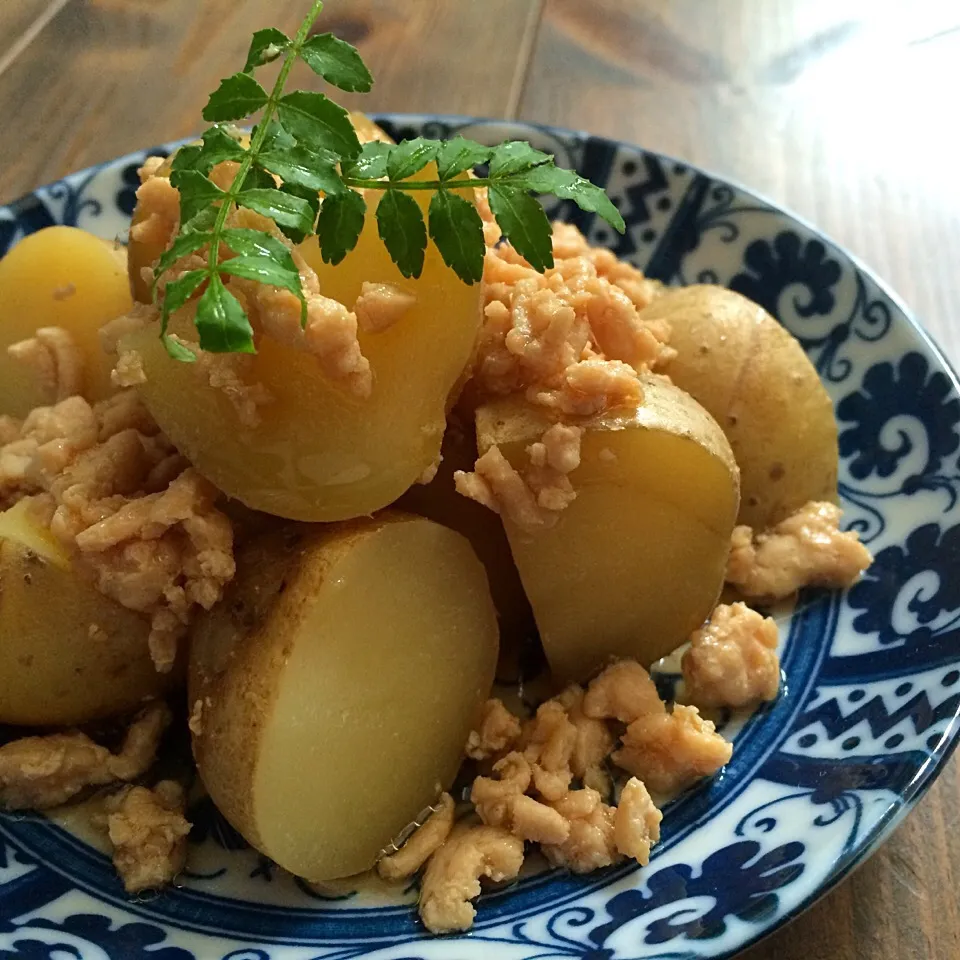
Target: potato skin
239 656
755 379
68 654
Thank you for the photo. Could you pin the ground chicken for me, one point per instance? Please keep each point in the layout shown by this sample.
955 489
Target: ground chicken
501 801
381 305
496 733
548 742
228 373
732 660
624 692
532 500
636 823
591 841
122 501
594 742
37 773
421 845
453 874
148 832
806 549
55 360
591 387
670 751
158 209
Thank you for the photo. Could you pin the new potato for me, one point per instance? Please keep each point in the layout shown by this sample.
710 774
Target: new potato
337 683
755 379
637 560
58 277
320 453
68 654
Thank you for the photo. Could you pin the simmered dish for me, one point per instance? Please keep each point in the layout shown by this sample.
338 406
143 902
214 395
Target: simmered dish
314 519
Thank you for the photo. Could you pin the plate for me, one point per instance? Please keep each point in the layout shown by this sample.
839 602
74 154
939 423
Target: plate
866 719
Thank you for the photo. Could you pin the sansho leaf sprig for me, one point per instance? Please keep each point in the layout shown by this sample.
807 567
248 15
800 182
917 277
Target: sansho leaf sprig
305 146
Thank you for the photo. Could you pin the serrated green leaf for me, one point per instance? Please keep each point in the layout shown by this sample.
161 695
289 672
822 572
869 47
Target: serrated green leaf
201 222
298 165
338 62
257 178
177 293
218 146
184 244
265 47
265 269
459 154
318 123
177 351
410 157
515 156
524 224
284 209
457 231
276 136
186 157
252 243
312 199
221 322
236 98
196 192
371 164
403 232
567 185
340 224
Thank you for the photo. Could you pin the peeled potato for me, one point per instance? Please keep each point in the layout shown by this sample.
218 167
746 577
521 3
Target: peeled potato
637 561
320 453
68 654
755 379
58 277
337 684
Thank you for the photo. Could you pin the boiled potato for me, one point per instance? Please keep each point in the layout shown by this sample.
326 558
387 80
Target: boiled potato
755 379
637 561
320 453
337 683
58 277
439 501
68 654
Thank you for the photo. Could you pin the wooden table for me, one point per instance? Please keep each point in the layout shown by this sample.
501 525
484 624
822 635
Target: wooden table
828 106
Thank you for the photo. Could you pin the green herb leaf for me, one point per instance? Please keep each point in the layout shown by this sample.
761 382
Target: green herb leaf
201 222
457 231
184 244
340 224
312 199
221 322
314 119
515 156
196 192
218 146
410 157
299 165
276 137
177 350
186 158
460 154
265 47
236 98
265 269
404 234
256 179
371 164
566 185
178 292
338 62
252 243
524 224
285 210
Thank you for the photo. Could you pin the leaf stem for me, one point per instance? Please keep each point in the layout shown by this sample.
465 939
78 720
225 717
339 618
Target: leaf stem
256 144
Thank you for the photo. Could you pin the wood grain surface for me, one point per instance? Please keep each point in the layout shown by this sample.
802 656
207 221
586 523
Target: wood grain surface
843 110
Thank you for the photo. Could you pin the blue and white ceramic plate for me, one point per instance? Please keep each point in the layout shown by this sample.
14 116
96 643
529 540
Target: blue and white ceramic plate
866 720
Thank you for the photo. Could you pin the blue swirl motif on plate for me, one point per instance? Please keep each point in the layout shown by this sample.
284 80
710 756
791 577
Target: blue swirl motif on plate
873 690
